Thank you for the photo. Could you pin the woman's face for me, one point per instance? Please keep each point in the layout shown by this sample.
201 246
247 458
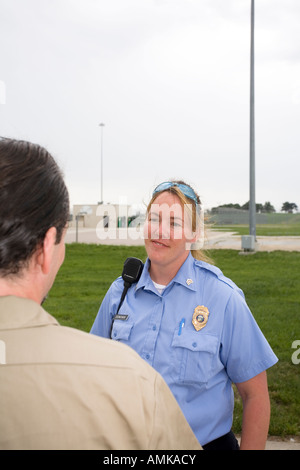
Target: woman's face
167 231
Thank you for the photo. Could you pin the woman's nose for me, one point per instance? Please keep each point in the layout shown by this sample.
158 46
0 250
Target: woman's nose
164 229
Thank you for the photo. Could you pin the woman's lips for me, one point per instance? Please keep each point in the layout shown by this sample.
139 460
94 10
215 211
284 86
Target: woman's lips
159 244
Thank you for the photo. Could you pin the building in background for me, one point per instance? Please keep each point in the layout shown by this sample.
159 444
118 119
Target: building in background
106 216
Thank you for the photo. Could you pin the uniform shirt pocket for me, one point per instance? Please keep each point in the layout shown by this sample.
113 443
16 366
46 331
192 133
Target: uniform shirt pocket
121 330
193 355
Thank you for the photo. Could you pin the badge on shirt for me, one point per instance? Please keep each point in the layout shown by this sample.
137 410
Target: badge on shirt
200 317
118 316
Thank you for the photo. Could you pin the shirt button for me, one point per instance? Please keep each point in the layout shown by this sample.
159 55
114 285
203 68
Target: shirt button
194 345
147 356
154 327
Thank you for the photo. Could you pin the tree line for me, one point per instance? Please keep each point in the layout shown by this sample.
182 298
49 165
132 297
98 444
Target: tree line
266 208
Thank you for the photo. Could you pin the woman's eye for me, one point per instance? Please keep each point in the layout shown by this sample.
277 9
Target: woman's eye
153 219
176 224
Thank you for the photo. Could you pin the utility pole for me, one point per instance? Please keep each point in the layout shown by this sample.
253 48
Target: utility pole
101 125
252 204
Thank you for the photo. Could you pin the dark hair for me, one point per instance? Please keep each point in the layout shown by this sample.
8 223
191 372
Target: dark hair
33 198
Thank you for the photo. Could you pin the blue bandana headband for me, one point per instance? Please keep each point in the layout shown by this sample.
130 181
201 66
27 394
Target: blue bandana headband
186 190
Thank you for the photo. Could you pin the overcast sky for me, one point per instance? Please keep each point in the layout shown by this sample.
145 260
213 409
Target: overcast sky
170 80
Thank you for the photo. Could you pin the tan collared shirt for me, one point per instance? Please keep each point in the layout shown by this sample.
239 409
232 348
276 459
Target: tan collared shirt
61 388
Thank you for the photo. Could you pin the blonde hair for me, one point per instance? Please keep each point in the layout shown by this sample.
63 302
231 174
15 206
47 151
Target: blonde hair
196 214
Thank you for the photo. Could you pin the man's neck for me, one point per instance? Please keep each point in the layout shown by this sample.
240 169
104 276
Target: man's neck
20 287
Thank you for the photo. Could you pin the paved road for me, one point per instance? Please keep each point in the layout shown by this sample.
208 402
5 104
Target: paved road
213 240
288 444
233 241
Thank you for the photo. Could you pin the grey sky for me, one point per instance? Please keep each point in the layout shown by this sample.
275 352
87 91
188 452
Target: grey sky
170 80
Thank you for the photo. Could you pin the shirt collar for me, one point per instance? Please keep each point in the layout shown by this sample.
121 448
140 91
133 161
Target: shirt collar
18 312
185 276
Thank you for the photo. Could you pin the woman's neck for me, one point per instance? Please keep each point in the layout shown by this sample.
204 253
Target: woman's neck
163 274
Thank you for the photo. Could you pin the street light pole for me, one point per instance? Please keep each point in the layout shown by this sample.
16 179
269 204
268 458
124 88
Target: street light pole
252 205
101 125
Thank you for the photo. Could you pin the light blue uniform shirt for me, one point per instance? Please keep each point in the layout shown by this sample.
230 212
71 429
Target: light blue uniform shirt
198 366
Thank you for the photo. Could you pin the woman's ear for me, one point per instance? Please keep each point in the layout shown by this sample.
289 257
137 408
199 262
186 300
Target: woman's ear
45 252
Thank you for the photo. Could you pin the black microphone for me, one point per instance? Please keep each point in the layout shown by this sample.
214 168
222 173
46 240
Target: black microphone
131 273
132 270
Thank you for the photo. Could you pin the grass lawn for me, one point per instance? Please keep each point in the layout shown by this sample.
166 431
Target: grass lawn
267 230
270 281
278 224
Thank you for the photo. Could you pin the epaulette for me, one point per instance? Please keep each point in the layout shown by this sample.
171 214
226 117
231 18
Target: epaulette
218 273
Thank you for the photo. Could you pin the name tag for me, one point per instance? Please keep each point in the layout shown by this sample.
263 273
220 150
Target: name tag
120 317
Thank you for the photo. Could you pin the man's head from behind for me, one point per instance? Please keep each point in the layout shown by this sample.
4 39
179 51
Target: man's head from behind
33 199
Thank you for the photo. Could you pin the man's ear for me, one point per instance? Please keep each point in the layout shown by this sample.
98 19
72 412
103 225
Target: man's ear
45 252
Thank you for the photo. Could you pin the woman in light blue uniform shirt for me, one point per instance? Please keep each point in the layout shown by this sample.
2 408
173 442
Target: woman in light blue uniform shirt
192 324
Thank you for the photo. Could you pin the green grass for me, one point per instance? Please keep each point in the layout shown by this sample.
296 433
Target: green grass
277 224
287 225
270 281
84 279
267 230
